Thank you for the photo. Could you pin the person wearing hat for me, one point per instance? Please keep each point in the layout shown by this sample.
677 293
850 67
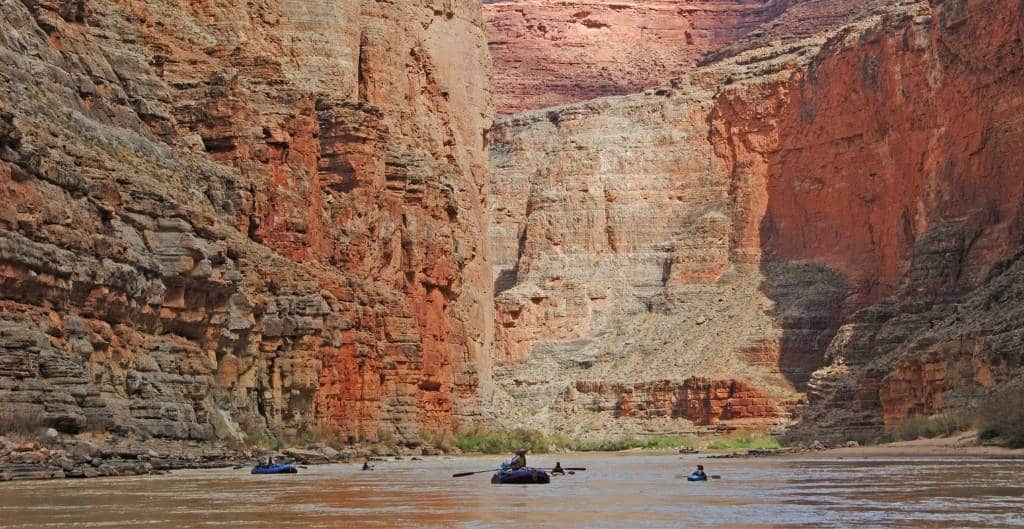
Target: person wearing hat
699 473
519 461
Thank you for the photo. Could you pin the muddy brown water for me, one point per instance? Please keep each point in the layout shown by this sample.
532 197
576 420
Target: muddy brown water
617 491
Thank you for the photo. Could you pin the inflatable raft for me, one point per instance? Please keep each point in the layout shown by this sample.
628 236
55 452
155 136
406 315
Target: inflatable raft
275 469
523 476
693 477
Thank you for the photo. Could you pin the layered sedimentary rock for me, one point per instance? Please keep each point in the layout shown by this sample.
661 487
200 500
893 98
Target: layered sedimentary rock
266 213
843 202
924 151
549 52
616 259
699 400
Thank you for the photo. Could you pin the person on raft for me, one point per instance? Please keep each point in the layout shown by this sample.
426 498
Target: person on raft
519 461
270 461
699 473
366 465
558 469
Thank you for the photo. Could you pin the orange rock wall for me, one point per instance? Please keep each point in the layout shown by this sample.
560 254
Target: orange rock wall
549 52
902 171
269 210
866 181
700 400
910 126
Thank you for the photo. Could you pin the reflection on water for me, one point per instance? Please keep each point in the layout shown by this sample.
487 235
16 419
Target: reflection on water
629 492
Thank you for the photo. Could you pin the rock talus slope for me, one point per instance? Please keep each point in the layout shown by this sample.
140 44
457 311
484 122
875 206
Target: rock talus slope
835 216
269 213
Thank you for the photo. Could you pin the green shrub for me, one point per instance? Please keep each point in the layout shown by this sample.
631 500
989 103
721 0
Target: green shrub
503 441
263 441
668 441
988 433
604 445
745 440
327 434
1002 416
561 441
508 441
443 440
930 427
654 442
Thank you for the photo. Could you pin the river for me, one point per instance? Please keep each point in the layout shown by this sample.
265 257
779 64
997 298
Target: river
617 491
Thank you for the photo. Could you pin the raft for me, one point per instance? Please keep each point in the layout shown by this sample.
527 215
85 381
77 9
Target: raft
275 469
523 476
691 477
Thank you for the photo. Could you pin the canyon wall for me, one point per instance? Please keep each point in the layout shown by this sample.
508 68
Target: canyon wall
264 213
833 218
551 52
924 148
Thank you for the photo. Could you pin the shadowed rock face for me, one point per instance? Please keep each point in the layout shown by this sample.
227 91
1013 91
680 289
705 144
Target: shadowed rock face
549 52
269 209
814 216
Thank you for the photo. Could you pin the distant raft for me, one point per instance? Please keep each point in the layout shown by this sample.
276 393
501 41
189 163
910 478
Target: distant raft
275 469
523 476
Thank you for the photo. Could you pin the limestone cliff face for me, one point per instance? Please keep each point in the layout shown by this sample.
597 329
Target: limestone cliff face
266 211
619 258
549 52
843 202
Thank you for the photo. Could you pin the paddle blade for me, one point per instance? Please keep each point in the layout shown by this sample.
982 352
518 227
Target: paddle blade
716 477
461 474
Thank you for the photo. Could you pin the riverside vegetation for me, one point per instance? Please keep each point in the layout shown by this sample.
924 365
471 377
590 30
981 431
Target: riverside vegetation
998 420
505 441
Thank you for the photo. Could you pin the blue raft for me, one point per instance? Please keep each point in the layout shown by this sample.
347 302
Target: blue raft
274 469
523 476
694 477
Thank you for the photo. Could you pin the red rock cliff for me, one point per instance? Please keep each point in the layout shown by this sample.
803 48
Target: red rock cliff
270 211
549 52
844 202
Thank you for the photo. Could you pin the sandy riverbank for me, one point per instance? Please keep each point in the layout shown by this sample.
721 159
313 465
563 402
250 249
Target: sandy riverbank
962 444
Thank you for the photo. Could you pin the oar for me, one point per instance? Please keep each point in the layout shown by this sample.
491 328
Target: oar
564 468
461 474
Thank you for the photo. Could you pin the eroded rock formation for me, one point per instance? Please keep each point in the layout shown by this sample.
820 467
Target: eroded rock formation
268 213
234 216
844 202
702 401
551 52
